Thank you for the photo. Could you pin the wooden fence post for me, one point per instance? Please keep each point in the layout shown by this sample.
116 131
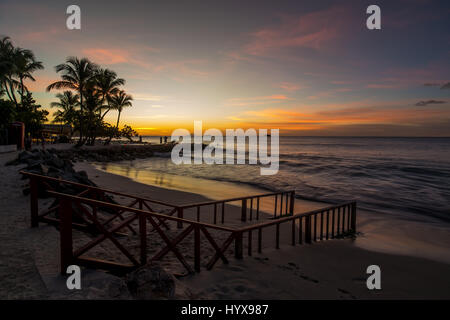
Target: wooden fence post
197 248
238 245
249 242
259 240
34 202
65 233
308 229
244 210
143 234
180 215
292 204
353 217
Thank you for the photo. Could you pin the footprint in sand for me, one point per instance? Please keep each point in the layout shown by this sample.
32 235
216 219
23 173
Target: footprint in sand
346 293
239 288
261 259
308 278
234 268
291 267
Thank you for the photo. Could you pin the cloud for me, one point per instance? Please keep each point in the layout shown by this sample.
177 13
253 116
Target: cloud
147 97
107 56
41 36
235 118
341 82
398 113
383 86
435 84
431 84
446 86
249 101
425 103
313 30
289 86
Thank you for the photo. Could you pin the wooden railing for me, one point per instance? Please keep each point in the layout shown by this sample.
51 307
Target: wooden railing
322 224
39 183
250 206
87 208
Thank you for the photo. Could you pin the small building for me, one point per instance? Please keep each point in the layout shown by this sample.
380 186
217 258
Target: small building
57 129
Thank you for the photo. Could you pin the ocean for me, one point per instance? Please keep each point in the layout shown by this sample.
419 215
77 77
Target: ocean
406 177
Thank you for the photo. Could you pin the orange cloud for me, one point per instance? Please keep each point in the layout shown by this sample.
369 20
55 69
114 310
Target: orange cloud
240 102
397 114
289 86
40 84
40 36
107 56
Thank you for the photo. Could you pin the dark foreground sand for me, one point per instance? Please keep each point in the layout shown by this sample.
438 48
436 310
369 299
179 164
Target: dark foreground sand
327 270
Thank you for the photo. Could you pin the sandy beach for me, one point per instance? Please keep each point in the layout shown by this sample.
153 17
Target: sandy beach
334 269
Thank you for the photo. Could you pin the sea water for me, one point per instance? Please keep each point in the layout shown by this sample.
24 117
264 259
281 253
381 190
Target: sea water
406 177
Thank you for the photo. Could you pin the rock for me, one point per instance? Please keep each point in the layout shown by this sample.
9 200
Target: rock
25 155
55 161
32 162
38 167
151 282
83 173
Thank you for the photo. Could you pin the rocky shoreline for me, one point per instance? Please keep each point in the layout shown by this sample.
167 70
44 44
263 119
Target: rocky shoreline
59 163
112 153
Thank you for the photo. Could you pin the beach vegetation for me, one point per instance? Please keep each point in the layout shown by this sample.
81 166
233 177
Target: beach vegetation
87 93
90 93
128 132
17 66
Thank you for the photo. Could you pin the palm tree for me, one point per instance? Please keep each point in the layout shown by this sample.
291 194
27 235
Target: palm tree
16 66
107 85
67 104
5 58
119 101
25 64
7 69
76 74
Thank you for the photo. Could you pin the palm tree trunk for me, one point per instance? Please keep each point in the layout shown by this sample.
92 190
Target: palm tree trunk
13 95
118 119
80 141
7 91
21 91
104 114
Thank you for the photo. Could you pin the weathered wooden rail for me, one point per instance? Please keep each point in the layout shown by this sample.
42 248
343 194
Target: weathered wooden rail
71 256
250 205
39 181
322 224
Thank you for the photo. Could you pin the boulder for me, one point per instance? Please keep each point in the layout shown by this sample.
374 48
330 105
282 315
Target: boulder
25 155
55 161
151 282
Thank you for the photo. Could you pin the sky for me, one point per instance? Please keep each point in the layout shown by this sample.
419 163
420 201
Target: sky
304 67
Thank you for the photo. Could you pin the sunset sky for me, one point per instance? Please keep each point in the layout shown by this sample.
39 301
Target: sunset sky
305 67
